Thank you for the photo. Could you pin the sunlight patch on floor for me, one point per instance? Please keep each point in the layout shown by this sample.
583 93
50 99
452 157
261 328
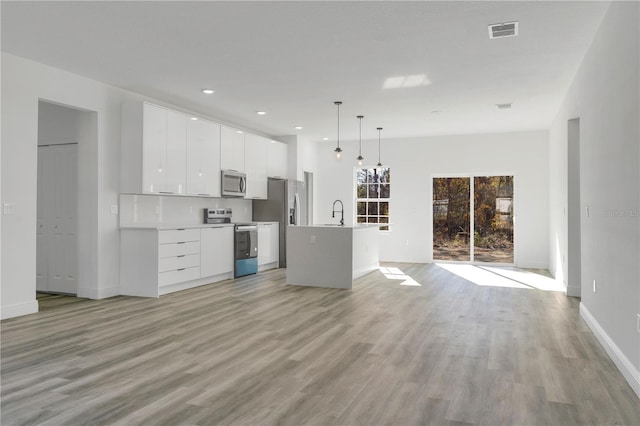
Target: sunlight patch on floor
493 276
392 273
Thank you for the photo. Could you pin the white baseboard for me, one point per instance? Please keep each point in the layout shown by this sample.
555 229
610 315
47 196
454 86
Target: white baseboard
532 265
98 293
628 370
19 309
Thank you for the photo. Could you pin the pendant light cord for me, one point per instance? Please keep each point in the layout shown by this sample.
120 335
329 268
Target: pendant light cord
379 162
360 117
338 103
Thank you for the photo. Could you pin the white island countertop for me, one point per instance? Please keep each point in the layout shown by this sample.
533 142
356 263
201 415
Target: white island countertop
330 256
332 225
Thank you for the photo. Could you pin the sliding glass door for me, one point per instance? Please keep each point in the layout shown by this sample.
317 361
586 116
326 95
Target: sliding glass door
451 225
493 219
490 198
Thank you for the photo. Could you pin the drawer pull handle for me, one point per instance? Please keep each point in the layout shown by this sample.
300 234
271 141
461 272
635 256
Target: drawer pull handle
182 255
182 269
181 242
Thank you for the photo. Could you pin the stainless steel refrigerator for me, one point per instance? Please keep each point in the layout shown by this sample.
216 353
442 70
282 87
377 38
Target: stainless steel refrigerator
286 204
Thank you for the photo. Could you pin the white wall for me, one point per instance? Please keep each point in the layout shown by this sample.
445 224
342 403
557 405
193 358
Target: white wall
24 84
413 162
605 96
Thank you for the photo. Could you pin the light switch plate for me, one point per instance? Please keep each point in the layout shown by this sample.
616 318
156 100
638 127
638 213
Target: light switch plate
9 208
114 208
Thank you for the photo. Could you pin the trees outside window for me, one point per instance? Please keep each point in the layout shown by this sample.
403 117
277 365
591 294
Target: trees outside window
373 193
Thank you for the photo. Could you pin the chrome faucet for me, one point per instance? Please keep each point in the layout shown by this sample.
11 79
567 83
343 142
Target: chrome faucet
333 213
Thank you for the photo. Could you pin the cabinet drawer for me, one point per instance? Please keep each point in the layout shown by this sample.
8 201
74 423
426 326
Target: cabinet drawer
178 276
178 235
178 249
178 262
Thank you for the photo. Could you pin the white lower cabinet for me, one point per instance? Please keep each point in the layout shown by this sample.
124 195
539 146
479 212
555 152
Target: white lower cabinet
155 262
268 246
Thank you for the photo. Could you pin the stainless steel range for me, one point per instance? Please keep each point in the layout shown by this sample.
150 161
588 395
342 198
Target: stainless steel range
245 242
246 249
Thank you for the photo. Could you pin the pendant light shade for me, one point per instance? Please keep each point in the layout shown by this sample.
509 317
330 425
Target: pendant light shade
360 157
338 150
379 163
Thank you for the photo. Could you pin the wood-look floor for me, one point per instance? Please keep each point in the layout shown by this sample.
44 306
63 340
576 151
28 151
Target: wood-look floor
256 351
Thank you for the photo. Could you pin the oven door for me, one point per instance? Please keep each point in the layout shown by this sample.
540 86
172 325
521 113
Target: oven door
246 242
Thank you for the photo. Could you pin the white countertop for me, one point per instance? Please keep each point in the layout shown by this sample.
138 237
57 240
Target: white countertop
330 225
167 226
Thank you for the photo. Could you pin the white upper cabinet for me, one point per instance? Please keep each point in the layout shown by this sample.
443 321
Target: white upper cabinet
256 166
277 159
153 150
203 158
176 153
232 149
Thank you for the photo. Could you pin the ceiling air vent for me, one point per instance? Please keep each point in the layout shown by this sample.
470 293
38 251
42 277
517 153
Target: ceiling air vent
508 29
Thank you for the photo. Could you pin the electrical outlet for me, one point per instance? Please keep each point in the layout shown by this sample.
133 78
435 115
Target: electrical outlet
114 208
563 258
9 208
587 210
594 286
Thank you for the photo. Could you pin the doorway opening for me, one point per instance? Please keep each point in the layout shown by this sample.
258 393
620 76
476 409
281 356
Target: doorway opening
60 133
473 219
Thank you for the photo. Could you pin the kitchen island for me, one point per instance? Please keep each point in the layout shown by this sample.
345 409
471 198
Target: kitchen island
330 256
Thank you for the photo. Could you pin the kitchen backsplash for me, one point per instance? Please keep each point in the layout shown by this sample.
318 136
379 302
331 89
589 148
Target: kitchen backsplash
138 209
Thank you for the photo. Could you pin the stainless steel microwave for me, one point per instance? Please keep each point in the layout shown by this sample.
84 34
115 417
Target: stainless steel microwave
234 183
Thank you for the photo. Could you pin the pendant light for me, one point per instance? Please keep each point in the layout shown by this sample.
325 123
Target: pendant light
338 150
379 163
360 157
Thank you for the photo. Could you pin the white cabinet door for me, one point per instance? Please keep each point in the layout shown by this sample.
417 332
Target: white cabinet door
154 149
176 152
216 251
256 166
274 241
231 149
277 157
264 244
203 158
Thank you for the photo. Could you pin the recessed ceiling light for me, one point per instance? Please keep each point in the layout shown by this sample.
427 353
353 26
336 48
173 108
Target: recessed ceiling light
194 118
436 111
325 139
298 127
208 91
239 132
261 112
503 106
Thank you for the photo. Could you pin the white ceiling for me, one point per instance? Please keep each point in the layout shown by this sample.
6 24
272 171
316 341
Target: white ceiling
293 59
